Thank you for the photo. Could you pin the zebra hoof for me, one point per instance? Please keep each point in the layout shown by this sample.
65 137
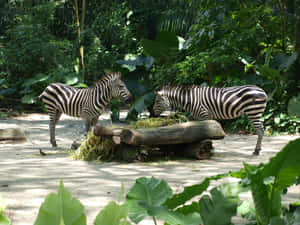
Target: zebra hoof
54 145
256 152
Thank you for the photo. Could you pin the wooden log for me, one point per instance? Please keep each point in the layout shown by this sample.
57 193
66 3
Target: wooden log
180 133
108 132
100 130
196 150
199 150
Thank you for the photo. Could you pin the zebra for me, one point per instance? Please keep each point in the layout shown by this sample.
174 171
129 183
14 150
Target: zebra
87 103
205 103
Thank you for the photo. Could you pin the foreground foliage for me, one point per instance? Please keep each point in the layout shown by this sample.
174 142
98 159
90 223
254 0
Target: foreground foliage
153 197
4 220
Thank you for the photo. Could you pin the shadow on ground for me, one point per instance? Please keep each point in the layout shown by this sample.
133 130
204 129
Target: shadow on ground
26 177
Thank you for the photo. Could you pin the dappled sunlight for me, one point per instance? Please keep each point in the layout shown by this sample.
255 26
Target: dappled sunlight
26 177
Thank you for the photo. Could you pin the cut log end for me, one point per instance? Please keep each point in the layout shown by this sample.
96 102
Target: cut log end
199 150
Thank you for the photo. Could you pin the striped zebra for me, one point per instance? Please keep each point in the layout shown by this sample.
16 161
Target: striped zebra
205 103
87 103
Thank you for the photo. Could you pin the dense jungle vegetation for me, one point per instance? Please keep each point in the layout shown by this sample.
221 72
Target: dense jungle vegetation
154 42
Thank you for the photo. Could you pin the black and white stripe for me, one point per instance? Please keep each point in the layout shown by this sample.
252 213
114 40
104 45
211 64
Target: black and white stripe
87 103
205 103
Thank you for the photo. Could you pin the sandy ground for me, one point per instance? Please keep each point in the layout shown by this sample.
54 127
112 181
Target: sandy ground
26 177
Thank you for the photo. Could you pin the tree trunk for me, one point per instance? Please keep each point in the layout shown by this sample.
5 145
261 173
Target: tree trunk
298 37
80 28
82 47
283 24
176 134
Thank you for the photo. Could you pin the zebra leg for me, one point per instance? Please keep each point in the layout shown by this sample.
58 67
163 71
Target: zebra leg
88 123
260 133
94 121
54 117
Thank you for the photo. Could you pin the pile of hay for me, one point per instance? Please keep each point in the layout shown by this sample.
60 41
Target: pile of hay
159 121
94 148
100 148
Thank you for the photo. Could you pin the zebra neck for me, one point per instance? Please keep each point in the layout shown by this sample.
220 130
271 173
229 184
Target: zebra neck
102 95
180 100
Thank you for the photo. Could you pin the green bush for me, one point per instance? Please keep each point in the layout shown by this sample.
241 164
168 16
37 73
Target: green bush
32 57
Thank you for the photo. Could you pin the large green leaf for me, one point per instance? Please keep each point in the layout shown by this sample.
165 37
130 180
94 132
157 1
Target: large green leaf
290 219
61 209
131 61
284 61
36 79
285 166
221 206
140 105
191 191
2 204
294 106
268 181
270 73
4 220
71 80
164 46
260 193
29 99
246 210
172 218
150 191
113 214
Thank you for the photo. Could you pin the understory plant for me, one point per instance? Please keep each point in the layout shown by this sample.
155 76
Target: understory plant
154 197
4 220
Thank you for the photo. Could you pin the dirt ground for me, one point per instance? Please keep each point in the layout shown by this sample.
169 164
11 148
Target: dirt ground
26 177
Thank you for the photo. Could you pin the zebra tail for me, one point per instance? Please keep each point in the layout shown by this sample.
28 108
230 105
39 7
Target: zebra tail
260 96
40 97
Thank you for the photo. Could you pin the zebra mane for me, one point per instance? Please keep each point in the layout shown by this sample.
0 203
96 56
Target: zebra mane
167 88
109 77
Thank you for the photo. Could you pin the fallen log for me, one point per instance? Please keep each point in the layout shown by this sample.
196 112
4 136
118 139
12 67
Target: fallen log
188 132
190 139
108 132
104 131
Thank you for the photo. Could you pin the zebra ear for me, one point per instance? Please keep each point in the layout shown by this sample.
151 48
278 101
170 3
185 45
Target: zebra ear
119 75
116 76
159 91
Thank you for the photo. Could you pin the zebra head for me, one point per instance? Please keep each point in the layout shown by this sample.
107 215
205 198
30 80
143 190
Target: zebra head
119 88
161 102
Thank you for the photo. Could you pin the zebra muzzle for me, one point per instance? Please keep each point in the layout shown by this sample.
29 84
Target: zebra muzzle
128 99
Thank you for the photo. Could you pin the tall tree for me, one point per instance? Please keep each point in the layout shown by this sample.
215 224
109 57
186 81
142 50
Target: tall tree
80 29
298 37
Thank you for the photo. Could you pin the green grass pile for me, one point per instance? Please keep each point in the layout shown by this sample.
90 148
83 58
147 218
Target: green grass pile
159 121
94 148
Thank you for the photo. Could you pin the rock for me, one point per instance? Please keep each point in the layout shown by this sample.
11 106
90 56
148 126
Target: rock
15 134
